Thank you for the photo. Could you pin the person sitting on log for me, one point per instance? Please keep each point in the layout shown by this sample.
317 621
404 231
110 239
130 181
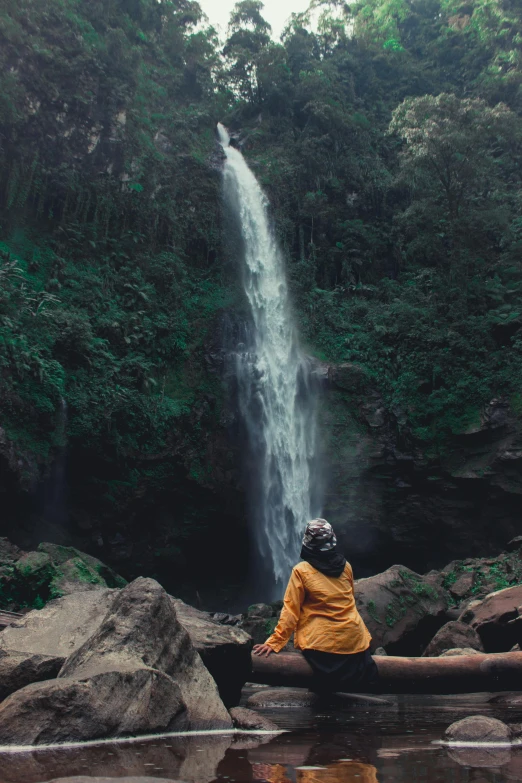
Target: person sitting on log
319 605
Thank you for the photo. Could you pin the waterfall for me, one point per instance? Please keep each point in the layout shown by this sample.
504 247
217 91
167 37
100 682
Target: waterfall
276 395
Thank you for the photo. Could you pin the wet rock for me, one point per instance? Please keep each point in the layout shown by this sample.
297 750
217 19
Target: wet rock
509 699
453 635
478 728
459 651
186 758
18 669
401 609
142 628
282 697
104 702
224 649
480 757
137 673
497 619
243 718
61 627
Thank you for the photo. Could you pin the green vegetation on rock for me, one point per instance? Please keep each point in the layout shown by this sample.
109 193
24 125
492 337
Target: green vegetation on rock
30 579
388 140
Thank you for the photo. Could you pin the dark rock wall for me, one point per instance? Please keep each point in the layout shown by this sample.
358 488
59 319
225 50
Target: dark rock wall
391 501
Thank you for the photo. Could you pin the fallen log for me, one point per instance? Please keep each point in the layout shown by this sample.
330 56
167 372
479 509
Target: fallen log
456 674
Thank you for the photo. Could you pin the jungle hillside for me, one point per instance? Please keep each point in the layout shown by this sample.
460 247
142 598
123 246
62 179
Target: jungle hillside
386 135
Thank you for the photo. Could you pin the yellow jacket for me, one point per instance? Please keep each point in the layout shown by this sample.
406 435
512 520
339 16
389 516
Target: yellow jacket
321 610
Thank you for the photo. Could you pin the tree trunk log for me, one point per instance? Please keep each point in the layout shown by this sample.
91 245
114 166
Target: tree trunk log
455 674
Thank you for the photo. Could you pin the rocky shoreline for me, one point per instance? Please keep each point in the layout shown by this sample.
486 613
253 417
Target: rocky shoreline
98 658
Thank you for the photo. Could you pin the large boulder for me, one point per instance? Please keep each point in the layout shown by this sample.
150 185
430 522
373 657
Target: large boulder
497 619
224 649
453 635
18 669
478 728
61 627
137 673
35 647
402 609
142 627
104 702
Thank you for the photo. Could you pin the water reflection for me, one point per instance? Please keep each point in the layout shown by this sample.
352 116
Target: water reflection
382 744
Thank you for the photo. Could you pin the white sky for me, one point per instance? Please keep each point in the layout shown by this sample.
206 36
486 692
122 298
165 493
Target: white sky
276 12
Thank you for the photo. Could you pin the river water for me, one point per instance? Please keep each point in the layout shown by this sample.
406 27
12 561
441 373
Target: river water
350 743
276 394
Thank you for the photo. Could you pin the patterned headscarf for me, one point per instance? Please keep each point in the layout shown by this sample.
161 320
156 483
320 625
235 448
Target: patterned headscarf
319 536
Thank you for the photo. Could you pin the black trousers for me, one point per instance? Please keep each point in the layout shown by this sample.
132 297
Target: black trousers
342 672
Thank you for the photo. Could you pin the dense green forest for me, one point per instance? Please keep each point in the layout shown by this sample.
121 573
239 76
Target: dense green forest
387 136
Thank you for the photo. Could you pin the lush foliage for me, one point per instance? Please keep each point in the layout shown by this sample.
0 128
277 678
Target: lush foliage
389 143
387 136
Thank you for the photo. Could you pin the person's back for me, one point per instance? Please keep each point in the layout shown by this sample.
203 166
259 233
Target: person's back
328 619
319 606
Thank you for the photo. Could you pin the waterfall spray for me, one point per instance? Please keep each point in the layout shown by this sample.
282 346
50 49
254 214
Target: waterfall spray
275 391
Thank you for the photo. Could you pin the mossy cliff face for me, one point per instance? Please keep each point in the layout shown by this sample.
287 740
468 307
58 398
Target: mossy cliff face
392 500
119 433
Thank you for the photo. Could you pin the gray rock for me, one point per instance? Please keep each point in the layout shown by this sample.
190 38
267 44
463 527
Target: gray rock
137 673
497 619
380 651
96 705
508 699
453 635
224 649
243 718
459 651
282 697
18 669
401 609
61 627
478 728
142 628
463 585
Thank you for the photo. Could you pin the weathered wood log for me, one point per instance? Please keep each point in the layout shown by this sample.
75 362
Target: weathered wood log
456 674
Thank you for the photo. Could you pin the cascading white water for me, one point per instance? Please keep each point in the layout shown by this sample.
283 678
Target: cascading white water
275 390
